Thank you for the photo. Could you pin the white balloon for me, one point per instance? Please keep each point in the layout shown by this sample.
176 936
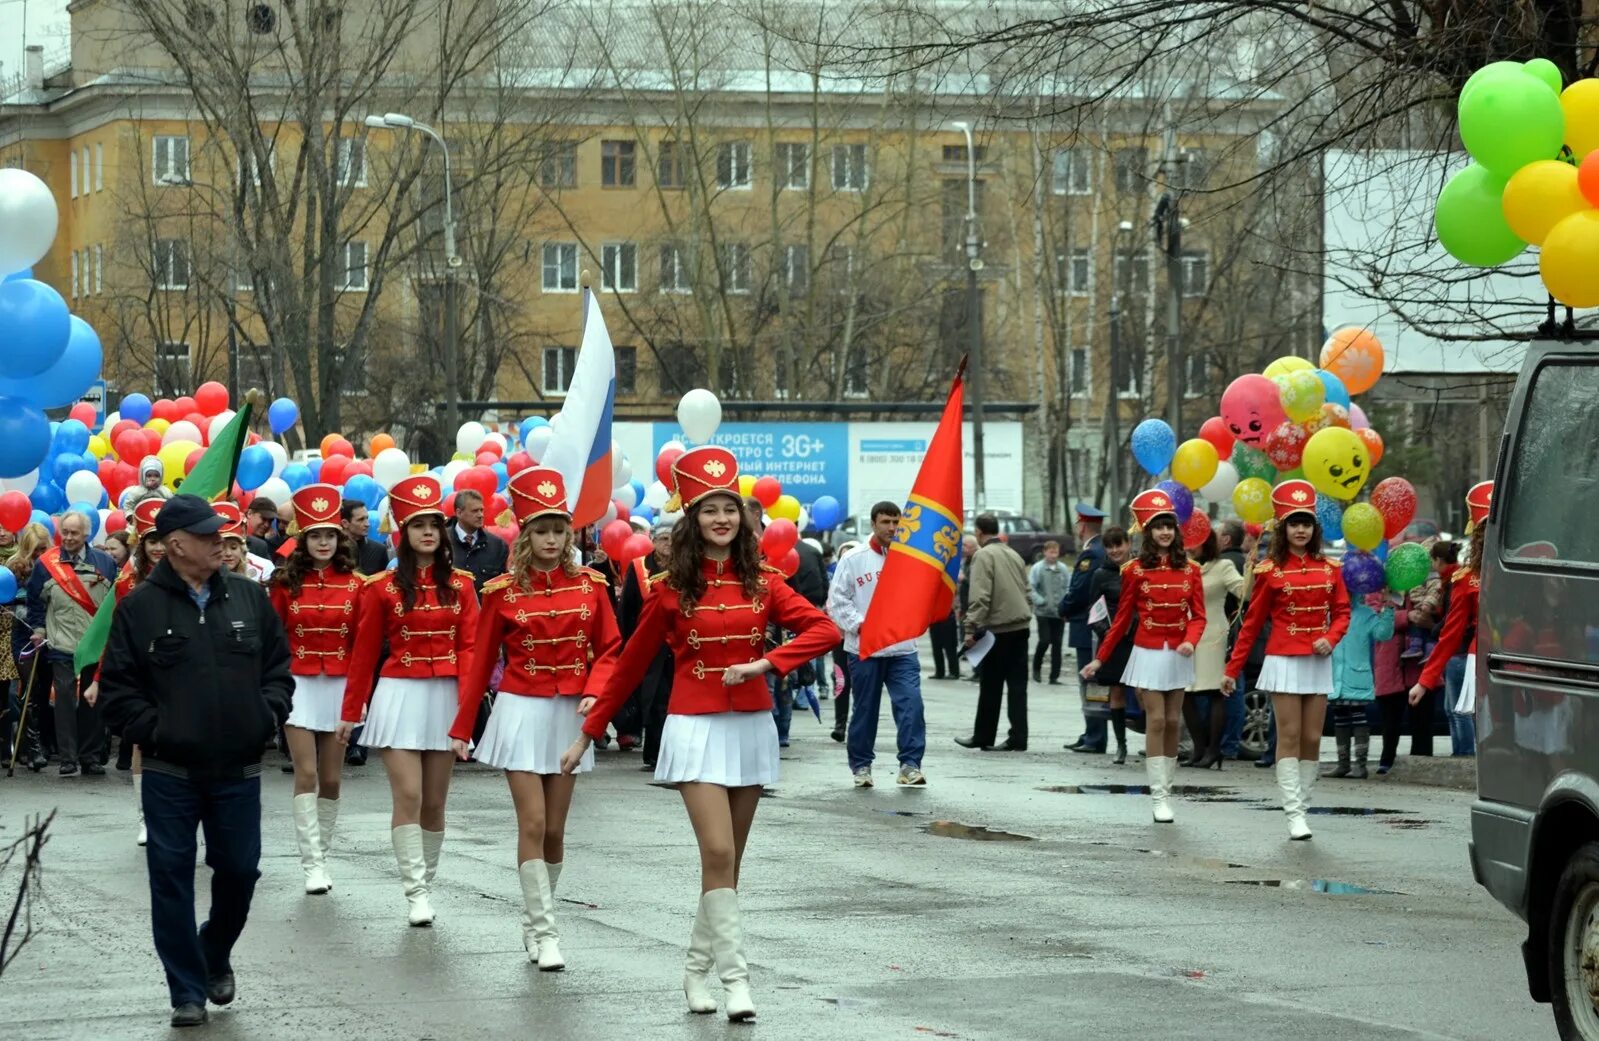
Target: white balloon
111 420
470 438
699 414
390 466
273 488
621 467
655 495
24 484
182 430
804 519
498 438
279 454
625 495
84 487
538 442
670 517
1220 487
28 220
219 421
610 514
452 469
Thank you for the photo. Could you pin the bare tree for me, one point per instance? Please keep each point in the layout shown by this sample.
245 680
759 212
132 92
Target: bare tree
23 862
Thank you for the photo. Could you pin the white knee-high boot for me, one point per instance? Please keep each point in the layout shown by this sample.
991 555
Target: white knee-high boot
1309 770
432 844
306 831
538 898
727 943
701 960
1288 781
413 872
327 817
1159 787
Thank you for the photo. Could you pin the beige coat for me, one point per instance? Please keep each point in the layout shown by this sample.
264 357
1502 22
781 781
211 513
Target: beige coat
1210 656
1001 599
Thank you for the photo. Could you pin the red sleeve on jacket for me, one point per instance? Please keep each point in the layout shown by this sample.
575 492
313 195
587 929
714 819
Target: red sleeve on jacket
814 632
1132 578
1196 606
1340 609
364 654
632 664
489 637
1452 637
466 641
607 637
1260 607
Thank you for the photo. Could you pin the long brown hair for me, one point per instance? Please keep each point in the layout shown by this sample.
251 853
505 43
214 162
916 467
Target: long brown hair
684 568
292 574
1279 540
443 565
1149 554
1474 548
32 541
522 566
142 564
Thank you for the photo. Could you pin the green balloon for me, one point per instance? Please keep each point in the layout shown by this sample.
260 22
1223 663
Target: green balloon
1545 72
1408 567
1492 70
1471 222
1251 462
1509 121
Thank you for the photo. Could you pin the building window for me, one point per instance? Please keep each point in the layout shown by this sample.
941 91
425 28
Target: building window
793 166
1130 373
796 272
353 379
172 369
1079 374
737 267
1196 273
99 269
72 175
255 367
171 264
849 168
1194 171
1132 169
99 167
560 267
355 274
73 262
84 166
1196 375
1074 272
733 165
1132 272
619 267
676 273
957 154
1073 172
558 169
669 166
558 365
682 367
616 163
626 370
856 372
250 167
351 157
170 160
841 266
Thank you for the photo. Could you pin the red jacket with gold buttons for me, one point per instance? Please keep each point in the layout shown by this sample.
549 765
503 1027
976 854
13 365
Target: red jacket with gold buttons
320 622
726 628
1465 588
1305 600
560 638
1170 605
430 640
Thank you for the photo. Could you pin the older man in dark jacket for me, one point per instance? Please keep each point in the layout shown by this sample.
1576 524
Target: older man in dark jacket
196 673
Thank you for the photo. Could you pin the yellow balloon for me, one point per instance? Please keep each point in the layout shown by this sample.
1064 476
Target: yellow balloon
785 508
1195 463
1539 196
173 457
99 446
1363 526
746 485
1580 103
1252 500
1302 393
1283 366
1337 462
1569 260
158 425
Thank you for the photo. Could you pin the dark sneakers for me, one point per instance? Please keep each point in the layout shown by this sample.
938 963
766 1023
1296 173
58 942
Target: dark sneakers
220 989
192 1014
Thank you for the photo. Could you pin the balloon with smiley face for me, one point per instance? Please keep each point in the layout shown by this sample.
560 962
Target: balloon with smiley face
1252 408
1337 463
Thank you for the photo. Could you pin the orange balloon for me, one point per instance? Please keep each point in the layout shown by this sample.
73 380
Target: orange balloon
1373 441
1355 356
379 443
1588 177
327 439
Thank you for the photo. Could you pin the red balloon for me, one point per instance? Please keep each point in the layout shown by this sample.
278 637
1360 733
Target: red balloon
115 521
360 466
614 536
123 476
492 448
768 490
508 532
202 423
338 446
1285 446
130 445
636 546
1588 177
788 563
663 466
497 506
1196 531
622 512
212 397
779 537
122 426
1395 499
479 479
164 408
333 468
516 462
1215 431
486 458
15 510
193 457
184 405
449 505
84 413
1373 441
152 445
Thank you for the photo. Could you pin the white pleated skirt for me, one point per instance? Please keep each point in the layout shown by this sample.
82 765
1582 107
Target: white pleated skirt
1149 668
530 734
1296 674
411 714
732 749
1466 703
318 703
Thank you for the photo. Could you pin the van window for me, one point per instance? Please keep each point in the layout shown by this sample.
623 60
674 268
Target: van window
1554 477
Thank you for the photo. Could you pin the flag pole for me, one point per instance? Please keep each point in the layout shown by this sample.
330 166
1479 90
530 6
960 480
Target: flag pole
587 539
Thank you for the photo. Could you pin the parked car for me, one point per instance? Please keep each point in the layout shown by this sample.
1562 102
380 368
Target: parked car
1256 735
1535 824
1026 535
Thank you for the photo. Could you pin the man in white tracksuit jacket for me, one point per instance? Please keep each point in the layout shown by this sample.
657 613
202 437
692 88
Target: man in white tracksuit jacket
854 583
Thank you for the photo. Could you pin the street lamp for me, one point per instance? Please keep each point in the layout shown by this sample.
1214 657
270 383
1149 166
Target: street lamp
1113 399
974 325
452 264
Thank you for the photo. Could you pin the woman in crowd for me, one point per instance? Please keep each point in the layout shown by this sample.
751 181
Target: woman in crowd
1164 588
426 613
1107 585
235 547
1460 624
554 619
316 593
720 743
1371 622
1302 594
116 546
1205 710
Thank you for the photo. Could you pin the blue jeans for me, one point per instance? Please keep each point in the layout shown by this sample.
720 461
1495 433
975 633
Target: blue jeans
902 674
1462 727
1232 732
230 813
782 705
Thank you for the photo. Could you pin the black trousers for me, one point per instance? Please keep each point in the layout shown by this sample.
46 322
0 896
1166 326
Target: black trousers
79 734
946 648
1003 676
1050 633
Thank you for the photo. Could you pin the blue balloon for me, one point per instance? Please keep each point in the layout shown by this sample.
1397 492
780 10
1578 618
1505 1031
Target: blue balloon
282 414
71 436
16 276
44 519
1381 553
255 468
136 407
65 382
34 324
1363 573
1330 512
638 489
315 466
644 513
8 585
502 474
89 512
65 465
24 437
296 476
826 513
47 498
1154 444
364 489
530 424
1337 393
1182 500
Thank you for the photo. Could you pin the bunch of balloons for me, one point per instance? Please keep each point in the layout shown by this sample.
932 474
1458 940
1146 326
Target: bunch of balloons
1535 178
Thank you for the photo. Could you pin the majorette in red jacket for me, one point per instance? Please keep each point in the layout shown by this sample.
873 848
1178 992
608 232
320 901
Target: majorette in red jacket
430 640
1170 603
320 622
1465 587
1305 600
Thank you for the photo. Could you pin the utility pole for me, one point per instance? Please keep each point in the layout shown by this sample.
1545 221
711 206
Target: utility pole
1168 225
1113 398
974 318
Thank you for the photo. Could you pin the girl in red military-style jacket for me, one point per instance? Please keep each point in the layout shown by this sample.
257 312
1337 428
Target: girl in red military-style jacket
426 611
553 617
712 608
1167 592
1465 588
1302 594
315 594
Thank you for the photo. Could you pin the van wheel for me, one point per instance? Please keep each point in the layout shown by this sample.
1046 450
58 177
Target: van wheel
1574 947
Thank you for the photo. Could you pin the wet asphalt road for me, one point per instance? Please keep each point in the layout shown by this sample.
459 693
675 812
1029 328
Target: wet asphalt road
865 918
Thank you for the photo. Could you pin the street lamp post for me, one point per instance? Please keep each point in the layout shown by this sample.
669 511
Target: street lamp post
974 322
452 265
1113 399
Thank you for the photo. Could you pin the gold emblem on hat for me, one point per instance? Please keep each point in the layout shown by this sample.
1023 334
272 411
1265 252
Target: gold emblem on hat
1159 500
546 489
715 467
422 491
1299 495
319 505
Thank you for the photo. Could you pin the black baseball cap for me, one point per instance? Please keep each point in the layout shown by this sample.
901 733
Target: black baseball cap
188 513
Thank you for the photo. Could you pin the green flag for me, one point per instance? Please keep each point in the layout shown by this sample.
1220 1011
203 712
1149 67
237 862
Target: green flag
211 478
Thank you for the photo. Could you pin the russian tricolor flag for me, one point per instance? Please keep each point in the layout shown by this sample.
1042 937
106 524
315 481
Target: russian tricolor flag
581 448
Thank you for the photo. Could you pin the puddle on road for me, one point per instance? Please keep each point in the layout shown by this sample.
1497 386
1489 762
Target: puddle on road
1314 885
974 832
903 813
1214 863
1187 792
1344 811
1408 823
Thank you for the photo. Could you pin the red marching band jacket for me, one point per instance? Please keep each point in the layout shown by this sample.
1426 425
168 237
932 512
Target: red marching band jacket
560 638
1464 591
1170 605
1305 600
320 622
430 640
